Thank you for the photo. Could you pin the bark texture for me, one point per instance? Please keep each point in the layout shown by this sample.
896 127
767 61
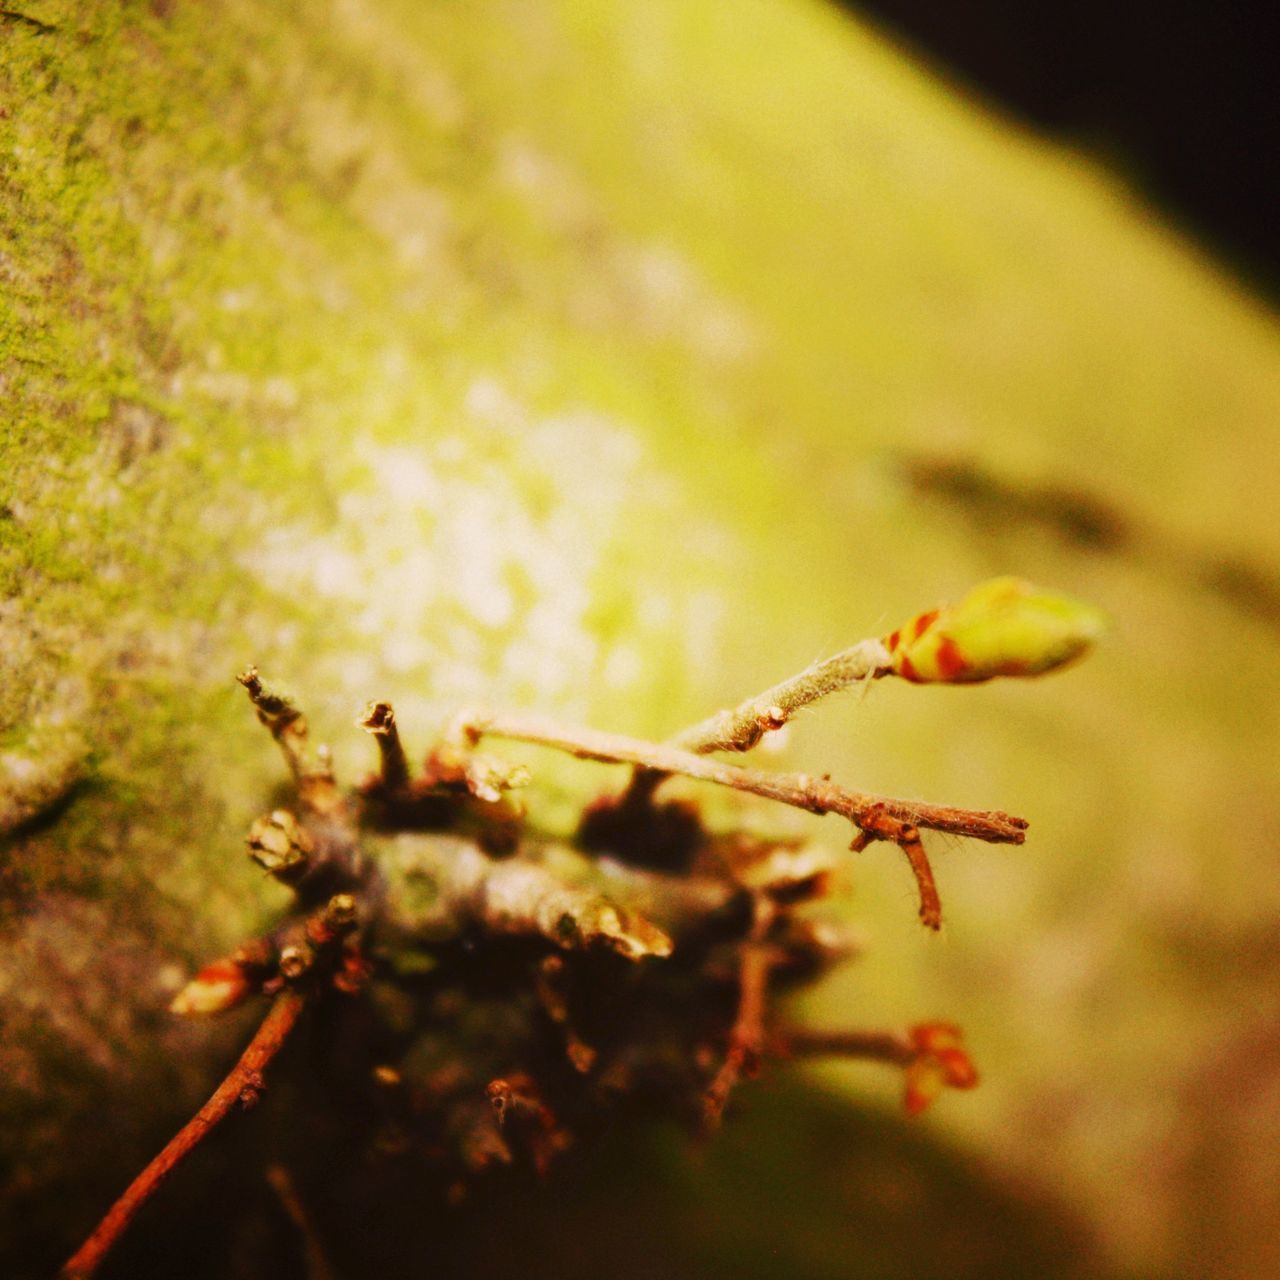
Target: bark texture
558 357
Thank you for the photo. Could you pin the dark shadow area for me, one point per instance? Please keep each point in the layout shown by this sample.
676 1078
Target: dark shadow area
1179 98
1000 509
800 1184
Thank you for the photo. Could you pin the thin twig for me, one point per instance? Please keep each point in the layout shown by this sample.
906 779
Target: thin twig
740 728
316 1261
932 1055
880 825
816 795
746 1039
879 1046
241 1088
311 767
875 817
380 720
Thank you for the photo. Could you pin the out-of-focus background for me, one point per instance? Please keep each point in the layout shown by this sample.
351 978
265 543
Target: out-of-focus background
617 359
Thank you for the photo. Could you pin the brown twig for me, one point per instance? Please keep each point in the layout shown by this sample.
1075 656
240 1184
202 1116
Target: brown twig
932 1055
316 1261
311 767
875 817
816 795
380 720
746 1039
740 728
906 835
878 1046
241 1088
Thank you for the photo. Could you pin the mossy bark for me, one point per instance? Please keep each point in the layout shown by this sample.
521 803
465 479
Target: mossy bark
548 356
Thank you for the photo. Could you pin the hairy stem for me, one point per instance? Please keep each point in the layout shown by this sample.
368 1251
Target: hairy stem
740 728
241 1088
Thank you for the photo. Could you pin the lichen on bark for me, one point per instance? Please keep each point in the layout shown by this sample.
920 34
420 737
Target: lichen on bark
412 348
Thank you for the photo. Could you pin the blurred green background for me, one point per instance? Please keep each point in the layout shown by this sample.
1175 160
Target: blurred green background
618 359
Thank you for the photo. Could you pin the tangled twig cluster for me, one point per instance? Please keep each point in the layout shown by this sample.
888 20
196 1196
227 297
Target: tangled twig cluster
517 990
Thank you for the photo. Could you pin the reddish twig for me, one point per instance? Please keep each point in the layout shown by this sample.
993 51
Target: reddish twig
817 795
311 766
380 720
317 1262
241 1088
875 817
893 1047
932 1055
879 825
746 1039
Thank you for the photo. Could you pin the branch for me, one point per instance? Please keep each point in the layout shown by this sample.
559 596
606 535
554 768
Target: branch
311 767
876 817
315 1259
817 795
746 1038
741 728
932 1055
380 721
242 1087
894 1047
537 894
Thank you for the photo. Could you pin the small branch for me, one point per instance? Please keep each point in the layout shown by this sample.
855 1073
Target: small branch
878 1046
317 1263
380 720
242 1087
746 1039
816 795
906 835
741 728
932 1055
876 817
552 897
311 767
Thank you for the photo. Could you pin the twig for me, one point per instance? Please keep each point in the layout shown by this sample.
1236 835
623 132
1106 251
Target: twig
932 1055
742 727
311 767
317 1264
526 897
746 1039
879 1046
816 795
380 720
242 1087
876 817
880 825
